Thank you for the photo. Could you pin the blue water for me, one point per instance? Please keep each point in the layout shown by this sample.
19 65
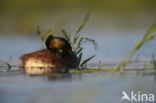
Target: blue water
103 87
99 87
111 46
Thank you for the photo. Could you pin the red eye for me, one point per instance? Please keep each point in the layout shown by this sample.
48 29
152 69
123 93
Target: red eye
50 46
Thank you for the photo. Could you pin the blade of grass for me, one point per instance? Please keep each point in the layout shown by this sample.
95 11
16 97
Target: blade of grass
47 34
84 40
76 39
79 51
38 30
67 37
80 28
148 36
78 45
44 36
154 62
79 58
150 31
88 40
8 65
86 60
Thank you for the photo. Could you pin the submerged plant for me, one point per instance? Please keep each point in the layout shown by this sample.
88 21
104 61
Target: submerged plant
150 35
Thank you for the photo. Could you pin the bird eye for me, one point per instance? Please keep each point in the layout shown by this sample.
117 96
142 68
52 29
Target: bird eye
50 46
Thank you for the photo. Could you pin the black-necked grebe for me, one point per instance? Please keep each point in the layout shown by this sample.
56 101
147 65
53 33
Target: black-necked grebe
58 44
57 57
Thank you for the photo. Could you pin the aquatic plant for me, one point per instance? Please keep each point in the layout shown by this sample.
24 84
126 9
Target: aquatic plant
5 64
154 62
77 41
8 65
150 35
43 35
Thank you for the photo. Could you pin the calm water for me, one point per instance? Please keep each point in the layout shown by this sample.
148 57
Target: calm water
111 46
103 87
116 25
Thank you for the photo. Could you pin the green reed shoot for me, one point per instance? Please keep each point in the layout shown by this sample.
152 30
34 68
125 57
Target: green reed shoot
76 35
154 62
8 65
150 35
77 41
43 35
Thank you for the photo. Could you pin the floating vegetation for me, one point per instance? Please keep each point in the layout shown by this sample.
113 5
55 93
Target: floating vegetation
108 70
150 35
84 70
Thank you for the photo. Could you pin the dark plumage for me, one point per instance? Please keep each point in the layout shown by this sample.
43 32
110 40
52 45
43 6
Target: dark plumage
50 60
57 44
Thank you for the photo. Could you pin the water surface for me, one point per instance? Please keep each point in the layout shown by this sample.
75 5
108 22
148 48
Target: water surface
99 87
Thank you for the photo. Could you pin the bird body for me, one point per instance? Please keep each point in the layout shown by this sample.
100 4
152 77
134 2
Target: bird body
51 59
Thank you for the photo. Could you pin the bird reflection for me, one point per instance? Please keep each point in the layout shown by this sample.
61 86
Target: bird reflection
59 76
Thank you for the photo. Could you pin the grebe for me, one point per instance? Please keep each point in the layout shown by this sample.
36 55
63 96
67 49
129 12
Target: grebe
58 44
58 57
